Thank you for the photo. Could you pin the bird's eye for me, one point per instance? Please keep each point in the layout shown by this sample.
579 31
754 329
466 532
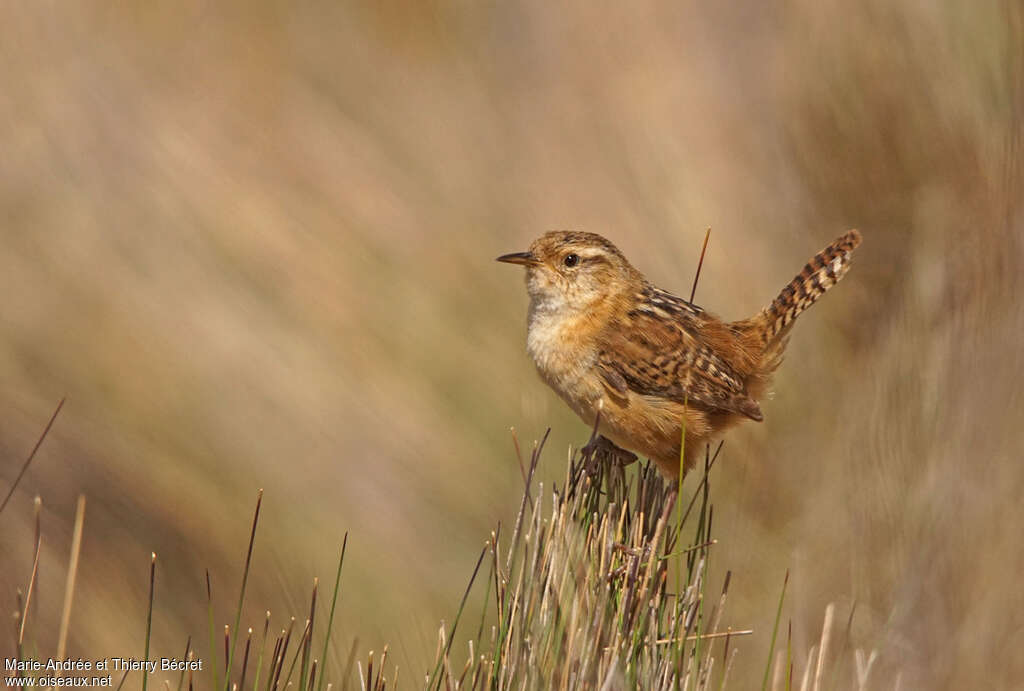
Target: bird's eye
571 260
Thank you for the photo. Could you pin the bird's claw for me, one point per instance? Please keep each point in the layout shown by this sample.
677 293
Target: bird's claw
602 447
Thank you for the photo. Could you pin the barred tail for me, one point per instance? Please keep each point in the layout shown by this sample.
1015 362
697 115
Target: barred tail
821 273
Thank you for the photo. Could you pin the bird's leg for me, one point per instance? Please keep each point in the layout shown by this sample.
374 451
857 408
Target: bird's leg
603 447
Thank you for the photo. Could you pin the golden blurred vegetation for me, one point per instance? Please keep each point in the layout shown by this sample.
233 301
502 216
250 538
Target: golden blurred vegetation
253 245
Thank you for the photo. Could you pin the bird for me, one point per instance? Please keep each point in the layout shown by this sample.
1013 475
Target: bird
654 372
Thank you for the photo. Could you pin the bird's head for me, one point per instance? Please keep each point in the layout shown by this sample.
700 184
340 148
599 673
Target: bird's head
572 272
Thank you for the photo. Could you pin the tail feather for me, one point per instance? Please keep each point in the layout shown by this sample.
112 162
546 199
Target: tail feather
763 337
823 271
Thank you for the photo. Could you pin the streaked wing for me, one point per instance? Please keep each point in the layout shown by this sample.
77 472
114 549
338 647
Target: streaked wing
655 354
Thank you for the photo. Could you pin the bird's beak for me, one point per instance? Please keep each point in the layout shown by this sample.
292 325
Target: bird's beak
524 258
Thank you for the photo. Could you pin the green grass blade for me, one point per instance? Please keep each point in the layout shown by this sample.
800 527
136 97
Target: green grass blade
263 649
188 647
775 631
28 461
241 595
455 624
149 617
213 633
330 617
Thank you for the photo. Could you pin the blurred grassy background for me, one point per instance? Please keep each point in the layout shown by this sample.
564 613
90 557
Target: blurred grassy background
253 244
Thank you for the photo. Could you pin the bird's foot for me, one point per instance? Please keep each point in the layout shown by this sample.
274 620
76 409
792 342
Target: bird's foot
603 448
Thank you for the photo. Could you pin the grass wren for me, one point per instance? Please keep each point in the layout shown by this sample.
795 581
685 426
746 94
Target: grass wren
605 339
